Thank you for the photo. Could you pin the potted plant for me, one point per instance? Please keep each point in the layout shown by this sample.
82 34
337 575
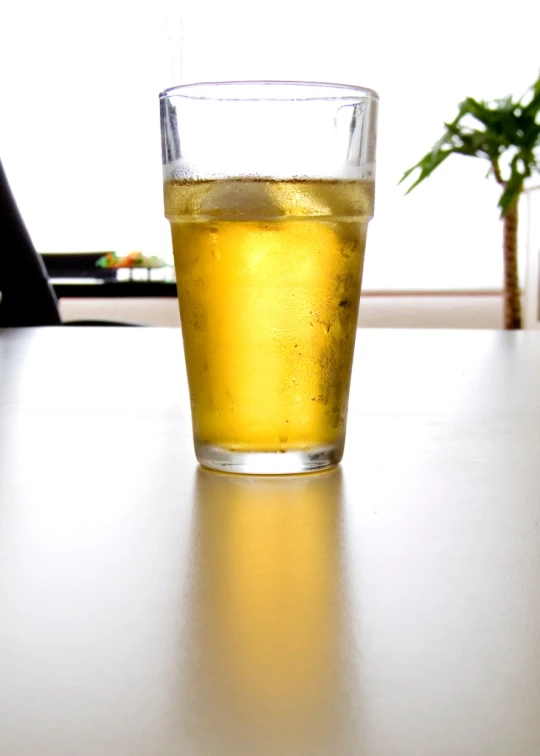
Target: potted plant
506 133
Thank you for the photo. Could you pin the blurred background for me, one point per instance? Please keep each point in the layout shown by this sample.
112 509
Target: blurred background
79 132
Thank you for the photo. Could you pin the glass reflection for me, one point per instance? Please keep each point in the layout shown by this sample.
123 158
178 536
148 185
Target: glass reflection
266 630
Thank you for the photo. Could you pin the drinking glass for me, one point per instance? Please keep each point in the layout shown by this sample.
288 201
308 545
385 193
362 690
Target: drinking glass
269 187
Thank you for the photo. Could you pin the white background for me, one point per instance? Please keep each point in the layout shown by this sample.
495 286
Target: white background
79 126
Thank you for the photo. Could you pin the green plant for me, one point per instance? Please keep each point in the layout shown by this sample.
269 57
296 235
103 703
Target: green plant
504 130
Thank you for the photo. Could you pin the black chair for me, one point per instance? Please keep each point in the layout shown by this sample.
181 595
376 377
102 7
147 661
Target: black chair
27 298
26 295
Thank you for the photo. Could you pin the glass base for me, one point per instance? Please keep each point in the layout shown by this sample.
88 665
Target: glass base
268 463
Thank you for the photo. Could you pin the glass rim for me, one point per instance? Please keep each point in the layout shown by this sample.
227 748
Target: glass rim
210 91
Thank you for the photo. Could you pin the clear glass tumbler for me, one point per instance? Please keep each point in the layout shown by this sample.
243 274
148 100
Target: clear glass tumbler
269 187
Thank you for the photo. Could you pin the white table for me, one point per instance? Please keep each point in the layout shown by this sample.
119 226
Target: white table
389 608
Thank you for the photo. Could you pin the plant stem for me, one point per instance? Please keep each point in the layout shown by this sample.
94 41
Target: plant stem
497 172
512 297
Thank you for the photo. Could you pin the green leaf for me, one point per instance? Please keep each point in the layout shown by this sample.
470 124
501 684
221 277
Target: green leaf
533 105
426 165
502 125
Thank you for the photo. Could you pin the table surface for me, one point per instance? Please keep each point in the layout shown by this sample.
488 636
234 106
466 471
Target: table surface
388 608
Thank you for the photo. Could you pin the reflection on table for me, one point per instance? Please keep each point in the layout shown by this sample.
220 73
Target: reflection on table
265 617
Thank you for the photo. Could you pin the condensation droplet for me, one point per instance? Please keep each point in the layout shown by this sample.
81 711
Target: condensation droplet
214 249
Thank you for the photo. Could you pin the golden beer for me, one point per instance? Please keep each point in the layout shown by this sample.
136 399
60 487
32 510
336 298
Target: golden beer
268 276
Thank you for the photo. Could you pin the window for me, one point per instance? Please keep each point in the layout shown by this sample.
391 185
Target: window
80 127
80 123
